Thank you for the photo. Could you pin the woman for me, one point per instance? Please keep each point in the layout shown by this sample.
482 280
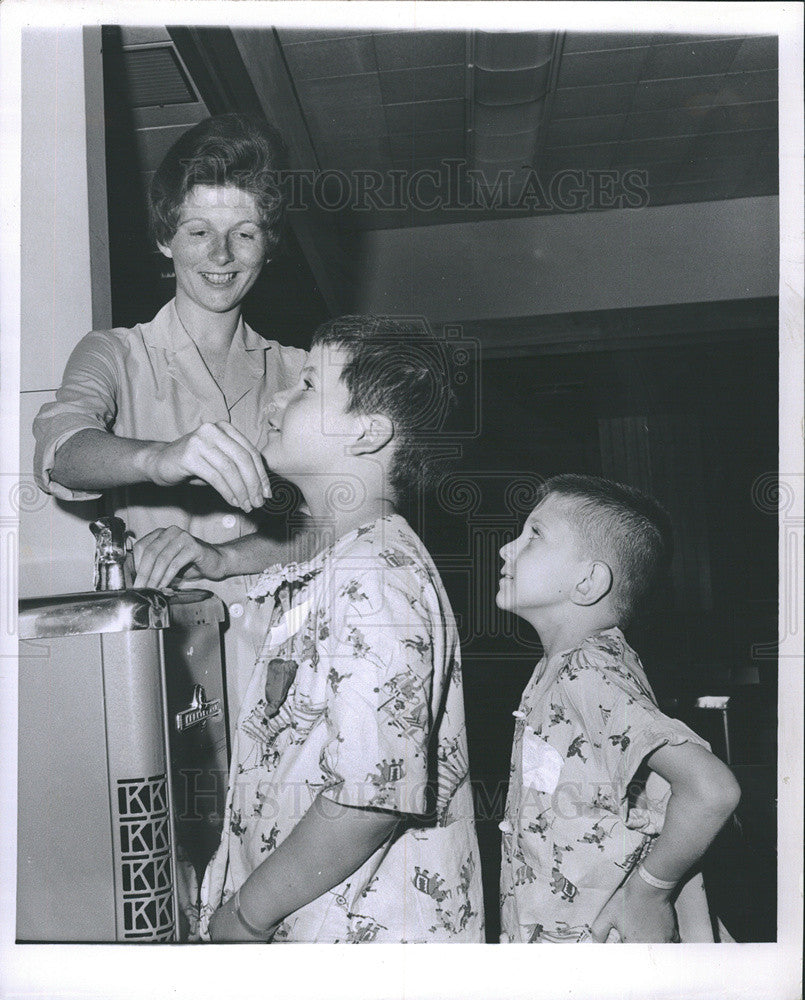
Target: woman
170 414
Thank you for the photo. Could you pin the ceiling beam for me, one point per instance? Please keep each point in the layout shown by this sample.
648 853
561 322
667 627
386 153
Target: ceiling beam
331 259
694 323
579 262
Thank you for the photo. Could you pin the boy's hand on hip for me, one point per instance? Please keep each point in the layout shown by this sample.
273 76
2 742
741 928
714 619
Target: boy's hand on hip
639 913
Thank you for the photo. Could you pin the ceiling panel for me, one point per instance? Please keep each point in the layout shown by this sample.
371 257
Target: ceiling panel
660 124
652 150
690 59
573 102
431 84
335 57
758 53
691 111
511 50
503 119
406 49
763 168
657 174
584 69
597 156
573 131
413 164
744 144
332 92
290 36
604 41
448 143
425 116
749 87
512 86
693 92
717 171
503 148
351 105
734 117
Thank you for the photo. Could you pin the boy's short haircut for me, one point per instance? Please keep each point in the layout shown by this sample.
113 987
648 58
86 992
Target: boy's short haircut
230 150
622 525
397 367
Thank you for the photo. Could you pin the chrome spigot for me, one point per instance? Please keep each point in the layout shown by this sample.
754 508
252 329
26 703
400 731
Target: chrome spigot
110 554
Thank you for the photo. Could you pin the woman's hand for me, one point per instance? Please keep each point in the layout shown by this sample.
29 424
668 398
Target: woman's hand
638 913
217 454
161 555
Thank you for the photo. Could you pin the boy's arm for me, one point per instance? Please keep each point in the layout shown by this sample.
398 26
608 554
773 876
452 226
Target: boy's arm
329 843
704 795
161 555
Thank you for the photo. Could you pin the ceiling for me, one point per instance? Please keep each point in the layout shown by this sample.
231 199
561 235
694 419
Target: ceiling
696 115
509 125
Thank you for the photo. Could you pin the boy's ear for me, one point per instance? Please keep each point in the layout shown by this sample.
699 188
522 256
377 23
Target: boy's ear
594 585
165 250
376 430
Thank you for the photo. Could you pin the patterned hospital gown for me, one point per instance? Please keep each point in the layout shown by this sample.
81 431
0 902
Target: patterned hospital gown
576 821
357 693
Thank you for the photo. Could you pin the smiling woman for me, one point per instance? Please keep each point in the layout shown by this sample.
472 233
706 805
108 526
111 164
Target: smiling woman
219 248
168 413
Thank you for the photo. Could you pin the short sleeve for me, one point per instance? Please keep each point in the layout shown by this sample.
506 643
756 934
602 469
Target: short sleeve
379 663
86 400
619 717
638 728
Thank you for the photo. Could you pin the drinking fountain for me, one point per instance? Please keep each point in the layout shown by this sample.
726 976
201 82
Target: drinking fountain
123 755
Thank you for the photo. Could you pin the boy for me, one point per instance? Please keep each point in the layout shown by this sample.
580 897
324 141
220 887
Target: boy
349 814
581 859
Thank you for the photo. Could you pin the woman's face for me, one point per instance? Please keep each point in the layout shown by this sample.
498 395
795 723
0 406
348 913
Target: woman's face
219 247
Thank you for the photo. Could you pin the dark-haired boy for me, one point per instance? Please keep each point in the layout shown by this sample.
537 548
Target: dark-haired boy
584 857
349 814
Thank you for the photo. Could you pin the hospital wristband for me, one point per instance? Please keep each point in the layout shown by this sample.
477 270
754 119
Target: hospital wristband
244 923
652 880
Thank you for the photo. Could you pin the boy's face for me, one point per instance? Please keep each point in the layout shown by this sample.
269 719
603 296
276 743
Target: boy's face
309 426
541 567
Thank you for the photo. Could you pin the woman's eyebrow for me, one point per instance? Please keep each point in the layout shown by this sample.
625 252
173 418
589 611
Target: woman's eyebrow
209 222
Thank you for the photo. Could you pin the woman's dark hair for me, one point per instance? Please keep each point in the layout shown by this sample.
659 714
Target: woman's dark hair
229 150
397 367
